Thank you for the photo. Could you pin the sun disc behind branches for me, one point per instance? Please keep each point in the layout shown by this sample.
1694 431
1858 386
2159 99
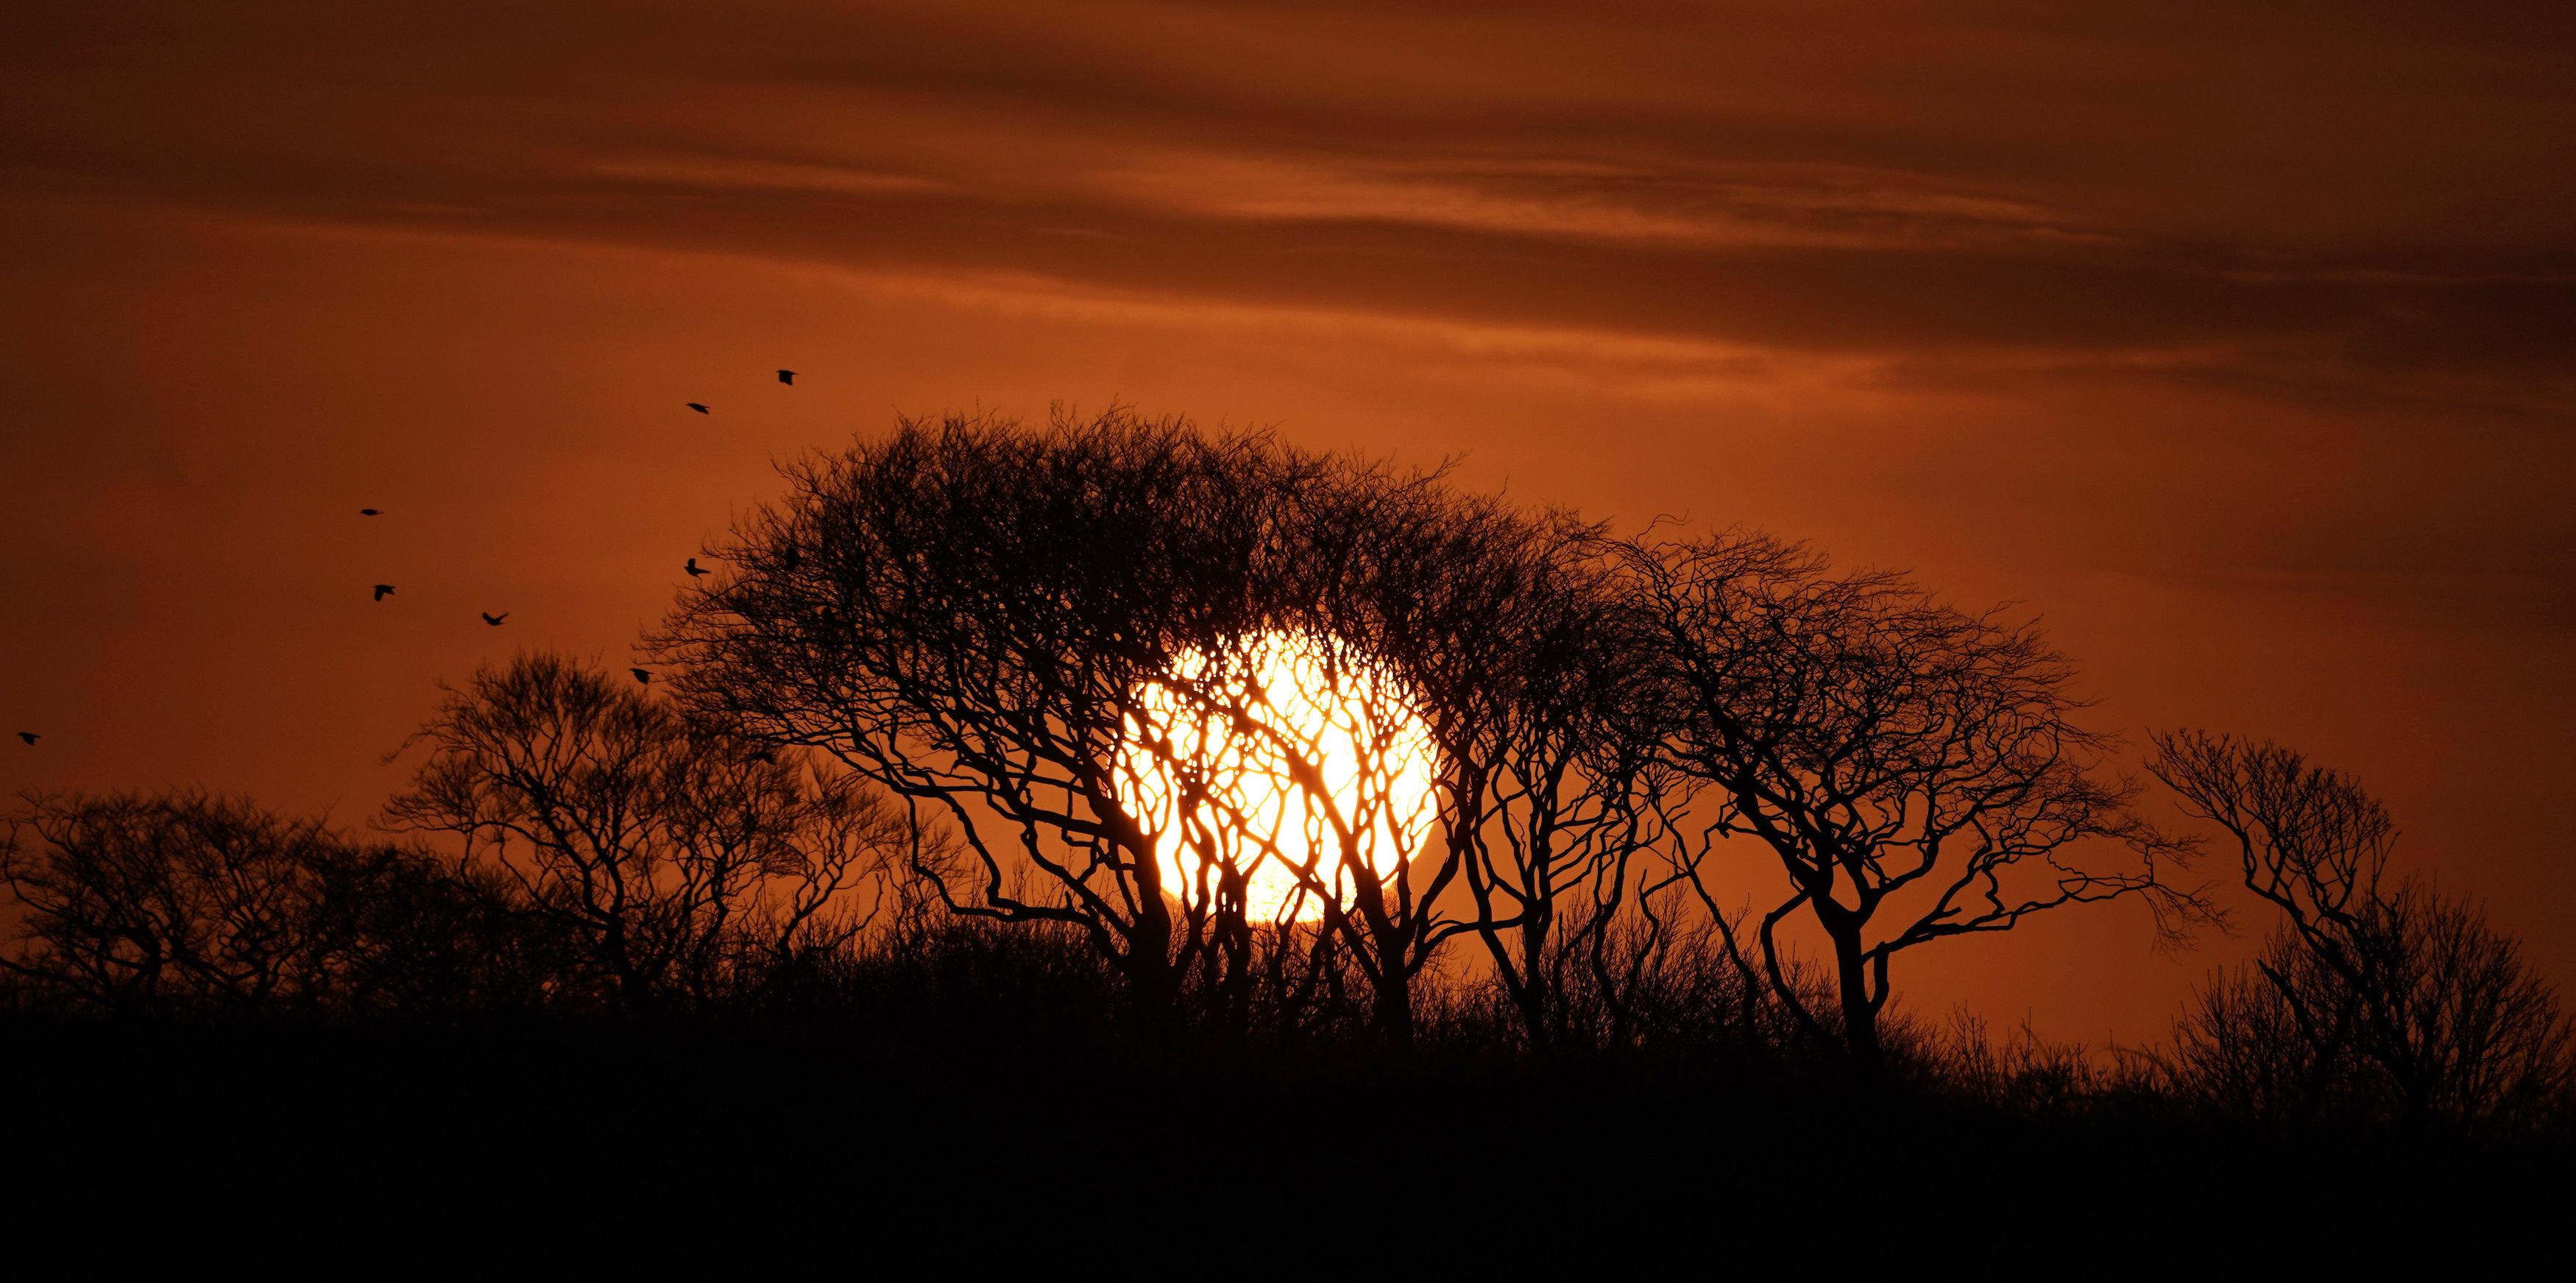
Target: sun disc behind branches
1280 764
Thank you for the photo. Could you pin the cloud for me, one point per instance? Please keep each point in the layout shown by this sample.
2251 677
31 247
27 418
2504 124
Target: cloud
1772 207
1840 180
760 175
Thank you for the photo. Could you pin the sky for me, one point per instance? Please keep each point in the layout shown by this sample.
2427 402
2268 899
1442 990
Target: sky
2237 342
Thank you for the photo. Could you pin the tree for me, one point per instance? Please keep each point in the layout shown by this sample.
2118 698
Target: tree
976 618
1489 634
1526 667
674 850
1153 666
2399 1002
1882 745
193 901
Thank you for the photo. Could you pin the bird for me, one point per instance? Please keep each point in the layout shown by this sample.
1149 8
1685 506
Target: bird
693 569
383 591
697 407
369 512
29 736
793 556
642 676
787 377
492 619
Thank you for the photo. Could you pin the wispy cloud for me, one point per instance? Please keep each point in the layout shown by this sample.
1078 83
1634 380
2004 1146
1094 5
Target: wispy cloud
1834 207
1698 207
763 175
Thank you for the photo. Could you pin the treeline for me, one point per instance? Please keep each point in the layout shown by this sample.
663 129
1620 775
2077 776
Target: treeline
983 733
714 909
607 856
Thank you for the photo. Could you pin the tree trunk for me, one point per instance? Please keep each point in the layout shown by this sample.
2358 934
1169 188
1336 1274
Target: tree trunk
1860 1014
1153 983
1393 1009
1539 1005
1393 1002
1230 956
620 957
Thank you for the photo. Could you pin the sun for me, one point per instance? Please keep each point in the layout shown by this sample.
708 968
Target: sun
1271 762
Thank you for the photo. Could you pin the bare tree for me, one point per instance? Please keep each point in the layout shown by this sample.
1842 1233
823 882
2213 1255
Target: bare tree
673 849
976 617
1070 644
1339 741
1882 745
192 901
2267 1040
1452 728
1526 665
2392 1001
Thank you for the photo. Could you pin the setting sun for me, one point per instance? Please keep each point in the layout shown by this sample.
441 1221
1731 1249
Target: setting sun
1287 753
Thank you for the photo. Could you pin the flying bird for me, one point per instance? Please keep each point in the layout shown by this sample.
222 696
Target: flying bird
642 676
492 619
787 377
693 569
697 407
369 512
383 591
29 736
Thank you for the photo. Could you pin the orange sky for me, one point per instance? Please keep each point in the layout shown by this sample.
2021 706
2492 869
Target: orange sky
2242 345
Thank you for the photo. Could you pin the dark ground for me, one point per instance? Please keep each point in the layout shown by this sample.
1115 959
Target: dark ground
846 1152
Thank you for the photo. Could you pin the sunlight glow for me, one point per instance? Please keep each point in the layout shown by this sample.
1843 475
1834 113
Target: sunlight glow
1278 764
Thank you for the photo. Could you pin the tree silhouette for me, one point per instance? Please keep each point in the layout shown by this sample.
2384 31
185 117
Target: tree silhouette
1059 641
1896 755
197 902
669 847
1527 665
2385 1001
972 616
